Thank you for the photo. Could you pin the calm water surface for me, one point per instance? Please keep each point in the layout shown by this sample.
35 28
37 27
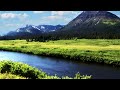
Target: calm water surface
63 67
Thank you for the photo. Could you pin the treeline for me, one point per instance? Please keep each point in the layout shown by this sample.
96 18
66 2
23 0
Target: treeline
63 35
48 37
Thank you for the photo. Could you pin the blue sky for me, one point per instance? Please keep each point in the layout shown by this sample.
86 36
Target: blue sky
11 20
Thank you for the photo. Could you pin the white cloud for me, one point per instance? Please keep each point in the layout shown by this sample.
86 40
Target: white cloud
12 25
60 13
36 12
58 17
57 13
7 15
12 15
24 15
61 16
54 18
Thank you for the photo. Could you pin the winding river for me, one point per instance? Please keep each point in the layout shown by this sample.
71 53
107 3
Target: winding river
62 67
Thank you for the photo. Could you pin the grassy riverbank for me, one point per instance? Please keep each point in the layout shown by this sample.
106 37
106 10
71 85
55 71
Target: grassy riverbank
17 70
10 76
91 50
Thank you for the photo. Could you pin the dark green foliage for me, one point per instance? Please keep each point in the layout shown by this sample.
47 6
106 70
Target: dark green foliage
17 68
21 69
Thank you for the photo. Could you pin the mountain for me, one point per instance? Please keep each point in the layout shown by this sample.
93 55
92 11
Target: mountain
32 29
88 24
93 24
49 28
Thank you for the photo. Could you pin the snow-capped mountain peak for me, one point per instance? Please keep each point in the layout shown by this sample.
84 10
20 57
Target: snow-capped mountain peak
42 27
37 29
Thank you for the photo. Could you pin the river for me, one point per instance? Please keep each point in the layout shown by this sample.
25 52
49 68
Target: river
62 67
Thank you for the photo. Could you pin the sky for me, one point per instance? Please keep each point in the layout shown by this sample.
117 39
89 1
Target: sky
12 20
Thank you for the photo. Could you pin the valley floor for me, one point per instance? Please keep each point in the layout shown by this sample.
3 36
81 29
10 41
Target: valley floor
91 50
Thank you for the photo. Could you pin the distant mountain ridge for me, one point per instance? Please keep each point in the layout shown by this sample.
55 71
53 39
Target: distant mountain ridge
32 29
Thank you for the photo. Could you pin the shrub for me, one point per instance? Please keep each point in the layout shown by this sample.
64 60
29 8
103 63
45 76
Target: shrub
21 69
29 72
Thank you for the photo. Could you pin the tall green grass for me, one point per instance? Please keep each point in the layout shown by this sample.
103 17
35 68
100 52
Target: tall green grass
106 51
10 76
17 70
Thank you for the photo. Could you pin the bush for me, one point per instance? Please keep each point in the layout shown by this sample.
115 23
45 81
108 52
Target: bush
21 69
10 76
29 72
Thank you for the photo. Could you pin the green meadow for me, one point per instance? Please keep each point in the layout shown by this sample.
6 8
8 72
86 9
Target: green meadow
105 51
